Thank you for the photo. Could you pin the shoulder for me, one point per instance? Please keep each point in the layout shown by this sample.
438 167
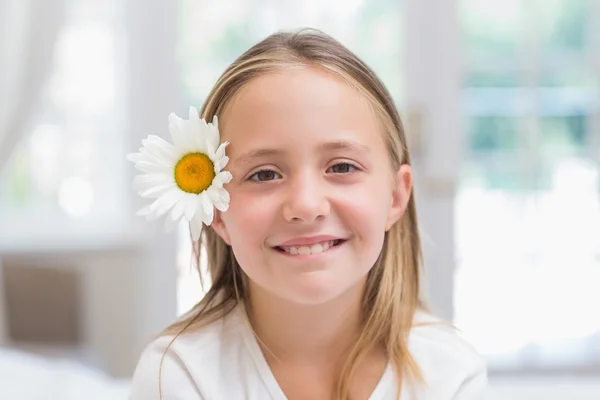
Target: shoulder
450 365
436 340
184 363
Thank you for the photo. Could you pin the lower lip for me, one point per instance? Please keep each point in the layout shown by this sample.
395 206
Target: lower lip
311 256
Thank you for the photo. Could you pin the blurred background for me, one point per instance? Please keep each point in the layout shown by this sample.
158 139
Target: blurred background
501 102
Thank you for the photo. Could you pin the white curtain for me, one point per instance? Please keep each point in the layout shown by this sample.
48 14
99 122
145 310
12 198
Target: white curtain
28 33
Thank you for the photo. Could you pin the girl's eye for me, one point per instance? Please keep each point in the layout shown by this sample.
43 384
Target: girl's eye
342 168
264 176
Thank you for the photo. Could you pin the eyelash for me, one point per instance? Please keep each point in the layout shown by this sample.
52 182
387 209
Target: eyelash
251 177
350 165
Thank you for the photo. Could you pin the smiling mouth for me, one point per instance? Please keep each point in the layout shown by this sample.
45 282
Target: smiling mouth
316 248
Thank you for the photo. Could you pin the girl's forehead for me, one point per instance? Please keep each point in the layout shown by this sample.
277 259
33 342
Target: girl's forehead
306 103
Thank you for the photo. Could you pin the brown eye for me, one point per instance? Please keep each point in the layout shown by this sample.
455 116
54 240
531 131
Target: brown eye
342 168
264 176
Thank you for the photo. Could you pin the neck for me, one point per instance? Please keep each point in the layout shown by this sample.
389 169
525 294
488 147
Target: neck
291 332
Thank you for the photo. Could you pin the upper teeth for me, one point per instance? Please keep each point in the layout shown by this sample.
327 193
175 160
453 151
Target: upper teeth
306 250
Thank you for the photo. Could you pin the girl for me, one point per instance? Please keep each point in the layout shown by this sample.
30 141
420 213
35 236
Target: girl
315 264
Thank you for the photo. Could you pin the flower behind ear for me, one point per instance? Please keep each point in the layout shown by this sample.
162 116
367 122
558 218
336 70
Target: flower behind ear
186 178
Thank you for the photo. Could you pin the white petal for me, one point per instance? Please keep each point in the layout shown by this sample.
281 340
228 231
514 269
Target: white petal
197 142
179 208
157 191
211 150
150 168
221 206
145 181
222 201
207 218
156 140
193 113
213 193
221 164
135 157
213 143
216 194
207 208
157 144
145 211
176 129
225 176
217 182
188 136
176 121
164 203
212 137
224 195
160 148
150 211
200 143
153 150
196 226
158 160
215 129
138 157
221 150
177 137
205 203
148 159
191 206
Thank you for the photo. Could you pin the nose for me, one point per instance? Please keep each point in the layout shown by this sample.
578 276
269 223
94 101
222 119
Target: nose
306 200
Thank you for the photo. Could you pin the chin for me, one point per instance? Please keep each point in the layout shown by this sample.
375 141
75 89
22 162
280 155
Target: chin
312 292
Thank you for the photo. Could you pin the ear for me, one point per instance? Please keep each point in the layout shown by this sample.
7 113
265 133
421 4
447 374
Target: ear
400 195
219 227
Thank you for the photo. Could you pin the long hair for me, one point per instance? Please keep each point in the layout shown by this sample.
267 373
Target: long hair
391 296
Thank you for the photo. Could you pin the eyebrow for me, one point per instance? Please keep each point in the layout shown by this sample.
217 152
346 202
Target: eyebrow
254 154
346 145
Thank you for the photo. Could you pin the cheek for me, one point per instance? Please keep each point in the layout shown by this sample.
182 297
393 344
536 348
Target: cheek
248 217
364 213
249 221
365 207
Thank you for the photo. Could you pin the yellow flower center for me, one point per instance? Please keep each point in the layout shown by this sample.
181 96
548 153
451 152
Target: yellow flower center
194 173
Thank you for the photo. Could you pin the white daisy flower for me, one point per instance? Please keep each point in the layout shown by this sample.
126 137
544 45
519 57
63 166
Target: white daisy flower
186 177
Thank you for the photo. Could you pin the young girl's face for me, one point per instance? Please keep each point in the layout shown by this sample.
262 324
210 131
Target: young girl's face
312 191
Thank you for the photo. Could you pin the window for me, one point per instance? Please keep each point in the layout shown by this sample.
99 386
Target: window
64 178
528 208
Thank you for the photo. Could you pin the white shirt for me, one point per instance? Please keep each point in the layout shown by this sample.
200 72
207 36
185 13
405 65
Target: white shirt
224 361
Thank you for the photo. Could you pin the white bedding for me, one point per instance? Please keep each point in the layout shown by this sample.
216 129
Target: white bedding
26 376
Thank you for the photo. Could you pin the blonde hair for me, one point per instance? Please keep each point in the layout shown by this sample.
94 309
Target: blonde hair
392 290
